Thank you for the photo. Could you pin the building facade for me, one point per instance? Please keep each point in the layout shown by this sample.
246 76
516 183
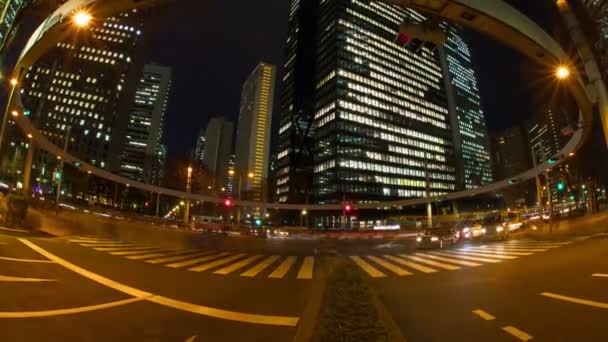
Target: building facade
146 123
10 11
252 150
82 92
218 148
471 140
198 155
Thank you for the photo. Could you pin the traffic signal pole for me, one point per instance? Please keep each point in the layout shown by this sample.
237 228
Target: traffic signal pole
60 167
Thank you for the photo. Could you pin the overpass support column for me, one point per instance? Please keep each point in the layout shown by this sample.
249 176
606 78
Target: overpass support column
27 169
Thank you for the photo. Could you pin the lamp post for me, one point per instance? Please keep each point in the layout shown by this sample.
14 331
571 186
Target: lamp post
14 83
303 214
187 203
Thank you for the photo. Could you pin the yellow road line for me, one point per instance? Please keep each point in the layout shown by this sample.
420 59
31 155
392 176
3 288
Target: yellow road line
27 260
393 268
283 268
179 257
169 302
307 269
198 260
61 312
576 300
23 280
255 270
484 315
369 269
454 261
431 262
231 268
158 254
495 251
483 254
460 255
522 336
600 275
217 263
412 265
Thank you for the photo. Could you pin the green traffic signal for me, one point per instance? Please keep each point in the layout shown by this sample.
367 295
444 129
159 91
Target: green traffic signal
561 186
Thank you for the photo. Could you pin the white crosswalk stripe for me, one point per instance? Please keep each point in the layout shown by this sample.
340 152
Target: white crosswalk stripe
158 254
466 257
179 257
496 251
454 260
307 269
257 269
195 261
369 269
218 262
238 265
487 254
431 262
283 268
391 267
411 265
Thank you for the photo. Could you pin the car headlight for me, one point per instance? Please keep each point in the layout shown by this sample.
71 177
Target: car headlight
466 230
499 229
419 239
483 230
434 238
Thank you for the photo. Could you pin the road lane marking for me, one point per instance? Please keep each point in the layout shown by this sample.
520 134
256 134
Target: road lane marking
123 249
516 249
522 336
109 245
22 280
483 255
287 321
255 270
491 254
431 262
92 241
217 263
238 265
393 268
600 275
61 312
14 230
369 269
576 300
454 261
495 251
132 252
484 315
307 269
412 265
158 254
191 339
179 257
466 257
283 268
198 260
27 260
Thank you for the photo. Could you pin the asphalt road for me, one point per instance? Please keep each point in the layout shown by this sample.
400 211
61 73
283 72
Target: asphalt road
88 289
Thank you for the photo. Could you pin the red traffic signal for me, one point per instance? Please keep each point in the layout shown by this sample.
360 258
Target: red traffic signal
228 203
348 208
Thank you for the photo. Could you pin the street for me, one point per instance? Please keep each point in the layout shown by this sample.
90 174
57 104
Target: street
84 288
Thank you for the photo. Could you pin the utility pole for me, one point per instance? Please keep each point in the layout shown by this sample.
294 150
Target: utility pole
539 189
27 170
60 167
187 204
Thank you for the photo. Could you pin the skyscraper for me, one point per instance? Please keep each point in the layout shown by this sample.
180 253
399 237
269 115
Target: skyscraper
145 128
218 148
10 10
198 154
381 123
252 148
83 90
511 156
471 141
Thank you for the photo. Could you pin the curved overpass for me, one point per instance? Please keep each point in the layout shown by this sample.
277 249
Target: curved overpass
492 17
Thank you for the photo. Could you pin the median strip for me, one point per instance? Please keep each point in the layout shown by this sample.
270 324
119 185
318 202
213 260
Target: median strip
165 301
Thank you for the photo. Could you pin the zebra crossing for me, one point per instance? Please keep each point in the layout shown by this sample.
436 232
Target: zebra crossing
220 263
401 265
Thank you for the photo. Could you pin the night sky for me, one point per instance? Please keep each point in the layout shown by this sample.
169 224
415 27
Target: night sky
212 46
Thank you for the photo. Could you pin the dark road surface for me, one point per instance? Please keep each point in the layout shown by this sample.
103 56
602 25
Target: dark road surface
87 289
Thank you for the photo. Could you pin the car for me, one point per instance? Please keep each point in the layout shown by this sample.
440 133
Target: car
474 231
494 228
437 238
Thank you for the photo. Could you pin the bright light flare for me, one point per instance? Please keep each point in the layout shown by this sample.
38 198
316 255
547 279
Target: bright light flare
562 72
14 82
82 19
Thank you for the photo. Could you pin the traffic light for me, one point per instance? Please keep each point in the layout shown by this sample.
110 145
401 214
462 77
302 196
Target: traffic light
77 164
57 176
228 203
27 112
552 160
561 186
512 181
348 208
258 222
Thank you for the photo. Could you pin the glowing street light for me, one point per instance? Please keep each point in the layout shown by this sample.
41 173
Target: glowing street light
14 82
15 113
251 175
562 72
82 19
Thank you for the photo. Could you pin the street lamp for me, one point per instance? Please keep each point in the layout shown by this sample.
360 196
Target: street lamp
303 214
188 188
562 72
250 175
14 82
82 19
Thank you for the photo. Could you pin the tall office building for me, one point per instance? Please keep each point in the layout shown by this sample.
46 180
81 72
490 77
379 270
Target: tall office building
511 157
252 148
471 140
146 122
218 148
381 121
10 10
83 89
198 155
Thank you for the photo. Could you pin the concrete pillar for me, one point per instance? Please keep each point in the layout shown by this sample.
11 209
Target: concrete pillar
27 169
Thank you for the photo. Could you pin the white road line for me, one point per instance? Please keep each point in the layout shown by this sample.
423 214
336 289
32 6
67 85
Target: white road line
27 260
158 254
576 300
92 241
484 315
484 255
237 265
255 270
517 249
600 275
108 245
494 251
179 257
14 230
197 260
216 263
369 269
412 265
431 262
283 268
123 249
393 268
132 252
454 261
23 280
522 336
307 268
466 257
169 302
61 312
